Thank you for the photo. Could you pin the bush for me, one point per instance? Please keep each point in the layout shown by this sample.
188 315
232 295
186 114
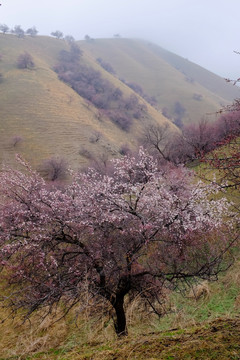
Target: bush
106 66
179 111
121 119
85 153
54 169
90 84
70 56
95 137
125 150
16 140
138 89
25 61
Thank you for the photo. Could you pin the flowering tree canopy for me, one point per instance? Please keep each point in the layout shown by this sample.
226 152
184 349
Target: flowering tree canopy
136 230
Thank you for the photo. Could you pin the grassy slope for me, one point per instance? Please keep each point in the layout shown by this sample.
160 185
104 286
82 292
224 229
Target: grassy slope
207 327
207 79
50 117
218 340
163 75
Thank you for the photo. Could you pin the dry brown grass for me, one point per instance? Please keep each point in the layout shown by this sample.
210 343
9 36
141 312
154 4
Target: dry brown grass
54 121
20 338
199 291
86 335
159 74
217 340
51 118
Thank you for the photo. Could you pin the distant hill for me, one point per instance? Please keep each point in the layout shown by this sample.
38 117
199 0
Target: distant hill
42 116
167 76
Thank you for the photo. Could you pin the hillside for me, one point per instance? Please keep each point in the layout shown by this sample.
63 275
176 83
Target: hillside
49 117
203 327
41 116
167 76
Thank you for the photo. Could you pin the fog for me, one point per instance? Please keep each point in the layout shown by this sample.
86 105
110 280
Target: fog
206 32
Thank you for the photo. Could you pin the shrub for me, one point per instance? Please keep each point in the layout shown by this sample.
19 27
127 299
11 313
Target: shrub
25 61
121 119
106 66
54 169
90 84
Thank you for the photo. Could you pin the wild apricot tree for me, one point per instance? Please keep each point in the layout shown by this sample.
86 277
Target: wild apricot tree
136 230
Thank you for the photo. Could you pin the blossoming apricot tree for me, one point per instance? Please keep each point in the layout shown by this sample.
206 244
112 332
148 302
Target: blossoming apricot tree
137 230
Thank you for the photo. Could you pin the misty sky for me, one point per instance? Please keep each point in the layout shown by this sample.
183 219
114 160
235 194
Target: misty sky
204 31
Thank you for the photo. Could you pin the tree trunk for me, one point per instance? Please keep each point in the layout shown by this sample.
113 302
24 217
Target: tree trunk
120 321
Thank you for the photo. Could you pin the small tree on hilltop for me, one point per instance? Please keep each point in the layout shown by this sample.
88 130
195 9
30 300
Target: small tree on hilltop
32 31
17 30
87 38
137 231
4 28
57 34
25 61
69 38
